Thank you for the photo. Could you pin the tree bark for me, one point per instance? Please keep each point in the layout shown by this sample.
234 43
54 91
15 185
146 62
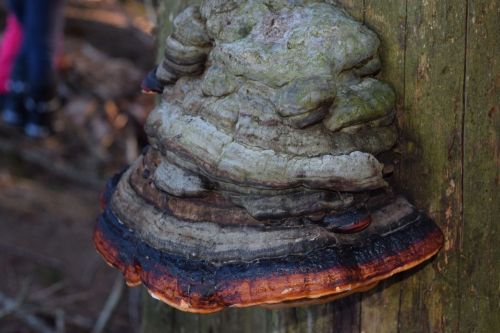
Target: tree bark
442 58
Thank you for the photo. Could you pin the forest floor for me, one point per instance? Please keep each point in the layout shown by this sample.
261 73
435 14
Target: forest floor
51 278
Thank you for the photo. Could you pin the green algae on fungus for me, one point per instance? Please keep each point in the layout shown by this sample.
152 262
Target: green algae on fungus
359 103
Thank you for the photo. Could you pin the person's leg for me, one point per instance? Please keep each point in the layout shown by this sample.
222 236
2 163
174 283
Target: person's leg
13 109
16 7
40 25
40 21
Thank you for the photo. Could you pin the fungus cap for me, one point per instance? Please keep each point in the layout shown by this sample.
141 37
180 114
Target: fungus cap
262 184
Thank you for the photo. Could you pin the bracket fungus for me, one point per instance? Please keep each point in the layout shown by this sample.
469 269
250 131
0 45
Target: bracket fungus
261 185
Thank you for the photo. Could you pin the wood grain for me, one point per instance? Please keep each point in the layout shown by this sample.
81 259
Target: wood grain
431 172
479 276
442 59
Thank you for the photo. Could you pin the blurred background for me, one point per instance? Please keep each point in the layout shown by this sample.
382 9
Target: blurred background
440 56
51 278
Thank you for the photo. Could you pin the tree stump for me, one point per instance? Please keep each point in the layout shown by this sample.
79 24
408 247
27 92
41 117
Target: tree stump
442 60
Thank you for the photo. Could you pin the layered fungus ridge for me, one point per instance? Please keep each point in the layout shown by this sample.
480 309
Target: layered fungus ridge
196 284
263 183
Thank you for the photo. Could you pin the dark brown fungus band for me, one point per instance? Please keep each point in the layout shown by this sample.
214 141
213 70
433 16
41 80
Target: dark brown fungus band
261 185
196 280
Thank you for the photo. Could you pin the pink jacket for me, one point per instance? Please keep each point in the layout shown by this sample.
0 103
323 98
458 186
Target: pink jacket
9 48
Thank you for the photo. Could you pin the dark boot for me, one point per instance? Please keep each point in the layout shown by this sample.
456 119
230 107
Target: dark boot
39 114
13 111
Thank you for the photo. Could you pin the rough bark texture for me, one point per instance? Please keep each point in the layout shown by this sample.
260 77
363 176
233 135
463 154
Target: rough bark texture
441 57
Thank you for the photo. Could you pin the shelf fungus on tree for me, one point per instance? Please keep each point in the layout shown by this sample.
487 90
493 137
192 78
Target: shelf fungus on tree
261 185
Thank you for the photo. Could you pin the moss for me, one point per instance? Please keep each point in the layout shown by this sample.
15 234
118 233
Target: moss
303 95
217 82
293 43
369 100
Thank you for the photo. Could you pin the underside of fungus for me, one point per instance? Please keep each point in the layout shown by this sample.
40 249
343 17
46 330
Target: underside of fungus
262 185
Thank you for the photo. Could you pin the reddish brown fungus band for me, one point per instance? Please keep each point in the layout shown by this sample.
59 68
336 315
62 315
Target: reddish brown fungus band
200 286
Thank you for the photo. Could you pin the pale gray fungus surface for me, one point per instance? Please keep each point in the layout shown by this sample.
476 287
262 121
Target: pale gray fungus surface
274 95
262 183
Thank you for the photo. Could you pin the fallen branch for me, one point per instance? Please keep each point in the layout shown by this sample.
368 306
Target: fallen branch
43 157
77 320
45 293
16 303
28 318
60 321
30 255
68 299
134 308
111 303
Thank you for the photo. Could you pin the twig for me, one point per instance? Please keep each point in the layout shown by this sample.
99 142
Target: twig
89 271
134 298
16 304
45 159
77 320
68 299
10 307
33 256
111 303
60 321
32 321
45 293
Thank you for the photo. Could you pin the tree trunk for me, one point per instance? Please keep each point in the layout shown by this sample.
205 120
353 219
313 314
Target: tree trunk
442 58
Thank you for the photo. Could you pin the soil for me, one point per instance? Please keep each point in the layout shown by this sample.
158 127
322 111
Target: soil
48 257
49 189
